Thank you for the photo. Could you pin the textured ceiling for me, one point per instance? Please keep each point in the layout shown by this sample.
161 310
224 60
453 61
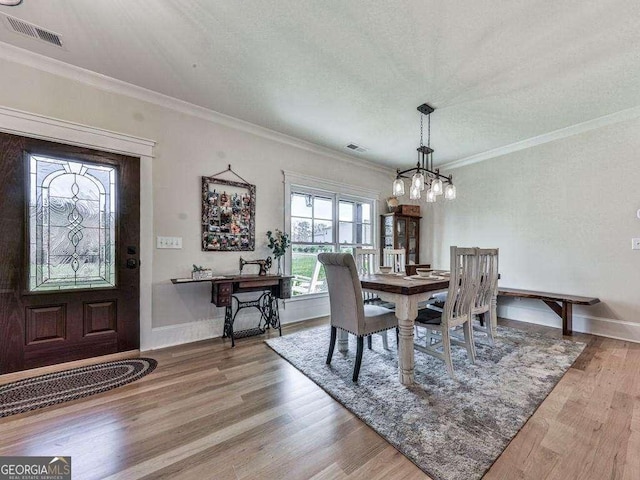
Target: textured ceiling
336 72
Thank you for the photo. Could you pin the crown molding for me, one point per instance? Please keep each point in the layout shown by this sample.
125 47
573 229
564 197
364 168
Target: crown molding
599 122
56 67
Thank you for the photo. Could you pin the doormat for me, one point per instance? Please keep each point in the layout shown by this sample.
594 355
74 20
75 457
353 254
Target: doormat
53 388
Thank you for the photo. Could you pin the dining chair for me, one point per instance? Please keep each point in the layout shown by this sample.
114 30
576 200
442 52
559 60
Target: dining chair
348 310
484 305
366 260
394 258
367 263
487 292
456 311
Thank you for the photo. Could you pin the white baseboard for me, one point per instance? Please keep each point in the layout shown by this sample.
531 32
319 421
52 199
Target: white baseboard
290 312
604 327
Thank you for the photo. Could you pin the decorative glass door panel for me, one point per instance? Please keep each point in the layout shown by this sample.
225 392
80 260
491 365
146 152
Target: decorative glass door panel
72 212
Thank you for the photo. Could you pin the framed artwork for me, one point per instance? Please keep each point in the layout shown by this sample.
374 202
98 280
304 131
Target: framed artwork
228 215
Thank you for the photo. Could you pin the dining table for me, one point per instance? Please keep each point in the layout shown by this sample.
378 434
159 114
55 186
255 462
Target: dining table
406 292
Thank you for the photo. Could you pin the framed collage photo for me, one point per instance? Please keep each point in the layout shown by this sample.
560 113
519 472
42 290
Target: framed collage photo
228 215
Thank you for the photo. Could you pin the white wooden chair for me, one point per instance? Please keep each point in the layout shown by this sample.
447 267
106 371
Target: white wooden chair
367 263
366 260
462 292
485 302
394 258
348 311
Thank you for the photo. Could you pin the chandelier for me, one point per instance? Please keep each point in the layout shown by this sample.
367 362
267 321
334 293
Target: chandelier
423 176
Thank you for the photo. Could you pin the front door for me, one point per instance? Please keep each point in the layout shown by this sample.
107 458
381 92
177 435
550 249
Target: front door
69 249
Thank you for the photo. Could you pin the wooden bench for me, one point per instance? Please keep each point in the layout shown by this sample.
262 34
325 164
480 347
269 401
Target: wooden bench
559 303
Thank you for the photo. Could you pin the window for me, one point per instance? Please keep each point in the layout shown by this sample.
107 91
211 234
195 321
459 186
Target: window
324 222
71 224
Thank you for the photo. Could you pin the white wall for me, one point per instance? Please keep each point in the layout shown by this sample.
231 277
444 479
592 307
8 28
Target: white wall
187 147
563 215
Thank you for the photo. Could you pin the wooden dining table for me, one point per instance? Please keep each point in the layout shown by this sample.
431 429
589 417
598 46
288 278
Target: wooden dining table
405 293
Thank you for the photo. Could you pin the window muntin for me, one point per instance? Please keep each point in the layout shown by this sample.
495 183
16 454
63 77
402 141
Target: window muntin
71 224
324 222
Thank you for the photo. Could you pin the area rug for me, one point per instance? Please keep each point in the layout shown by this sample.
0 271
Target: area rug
52 388
451 429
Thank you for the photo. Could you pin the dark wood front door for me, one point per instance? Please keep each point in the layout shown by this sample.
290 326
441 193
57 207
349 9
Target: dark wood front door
69 249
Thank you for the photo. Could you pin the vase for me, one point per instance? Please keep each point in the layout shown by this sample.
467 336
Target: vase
279 265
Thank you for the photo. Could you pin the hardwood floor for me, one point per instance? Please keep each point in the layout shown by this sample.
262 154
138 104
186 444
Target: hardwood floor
209 411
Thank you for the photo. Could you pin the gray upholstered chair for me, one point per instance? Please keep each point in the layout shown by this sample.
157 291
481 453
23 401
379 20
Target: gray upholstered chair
348 311
463 288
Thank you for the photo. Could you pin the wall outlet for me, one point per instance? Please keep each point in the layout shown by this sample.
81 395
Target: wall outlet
169 242
635 244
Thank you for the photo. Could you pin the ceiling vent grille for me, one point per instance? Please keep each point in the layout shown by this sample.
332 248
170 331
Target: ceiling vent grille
356 148
33 31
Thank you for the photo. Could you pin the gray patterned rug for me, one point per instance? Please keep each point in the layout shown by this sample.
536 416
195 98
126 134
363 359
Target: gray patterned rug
451 429
53 388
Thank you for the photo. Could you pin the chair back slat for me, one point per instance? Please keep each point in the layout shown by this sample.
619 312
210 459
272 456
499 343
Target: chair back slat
395 258
488 277
463 286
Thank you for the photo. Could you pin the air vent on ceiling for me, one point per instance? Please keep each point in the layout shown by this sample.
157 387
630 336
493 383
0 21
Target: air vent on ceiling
356 148
33 31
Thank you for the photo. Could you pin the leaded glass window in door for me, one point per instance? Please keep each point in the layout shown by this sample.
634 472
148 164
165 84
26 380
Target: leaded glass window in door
72 211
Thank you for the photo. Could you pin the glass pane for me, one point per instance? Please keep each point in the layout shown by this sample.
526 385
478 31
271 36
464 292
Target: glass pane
366 213
366 234
346 211
413 227
308 274
323 208
301 205
301 230
346 232
322 231
71 224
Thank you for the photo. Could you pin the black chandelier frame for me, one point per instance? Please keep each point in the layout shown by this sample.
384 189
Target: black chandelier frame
425 154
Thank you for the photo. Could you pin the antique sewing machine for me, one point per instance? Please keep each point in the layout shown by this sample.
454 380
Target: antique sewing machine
265 264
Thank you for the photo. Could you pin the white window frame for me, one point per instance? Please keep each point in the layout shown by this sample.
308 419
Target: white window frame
295 182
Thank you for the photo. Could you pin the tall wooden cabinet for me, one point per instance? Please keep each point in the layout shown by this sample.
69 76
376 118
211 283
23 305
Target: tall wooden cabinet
401 231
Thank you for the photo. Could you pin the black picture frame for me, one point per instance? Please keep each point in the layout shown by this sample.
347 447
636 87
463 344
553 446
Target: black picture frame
228 215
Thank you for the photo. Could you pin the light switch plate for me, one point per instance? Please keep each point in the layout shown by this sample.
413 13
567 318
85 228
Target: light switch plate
169 242
635 244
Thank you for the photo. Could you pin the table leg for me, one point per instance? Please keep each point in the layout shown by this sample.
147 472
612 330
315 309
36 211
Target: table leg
406 311
343 341
567 318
